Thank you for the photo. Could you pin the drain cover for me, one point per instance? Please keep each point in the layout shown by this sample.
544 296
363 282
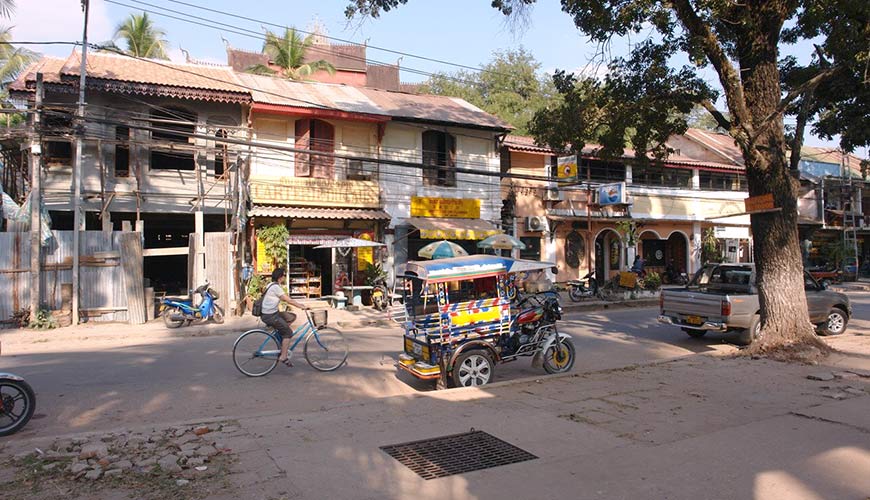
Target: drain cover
456 454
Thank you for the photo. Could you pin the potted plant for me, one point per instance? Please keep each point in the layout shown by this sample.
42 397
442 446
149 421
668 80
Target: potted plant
254 290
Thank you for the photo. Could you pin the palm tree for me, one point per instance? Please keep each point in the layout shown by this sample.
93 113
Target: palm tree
142 37
288 53
12 59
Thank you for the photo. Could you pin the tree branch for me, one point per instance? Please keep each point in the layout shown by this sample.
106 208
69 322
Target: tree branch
717 115
801 125
728 76
805 88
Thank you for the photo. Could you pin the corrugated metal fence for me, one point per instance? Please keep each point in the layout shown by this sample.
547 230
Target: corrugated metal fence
103 295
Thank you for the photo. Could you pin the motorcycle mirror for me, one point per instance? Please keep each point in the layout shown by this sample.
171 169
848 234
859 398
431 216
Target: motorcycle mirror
555 270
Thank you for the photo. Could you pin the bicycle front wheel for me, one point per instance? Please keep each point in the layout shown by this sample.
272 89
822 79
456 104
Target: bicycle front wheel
326 349
255 353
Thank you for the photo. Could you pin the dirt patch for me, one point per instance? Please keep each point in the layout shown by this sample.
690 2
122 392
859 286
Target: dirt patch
188 462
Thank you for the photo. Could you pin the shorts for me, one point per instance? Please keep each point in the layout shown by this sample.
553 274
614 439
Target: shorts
281 322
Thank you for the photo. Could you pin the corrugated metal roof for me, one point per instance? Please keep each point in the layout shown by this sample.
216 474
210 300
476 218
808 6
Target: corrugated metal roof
722 144
433 108
319 213
49 67
525 144
283 92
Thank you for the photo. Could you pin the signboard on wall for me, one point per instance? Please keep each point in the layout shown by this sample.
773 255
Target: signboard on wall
611 194
566 167
759 203
731 232
264 263
452 208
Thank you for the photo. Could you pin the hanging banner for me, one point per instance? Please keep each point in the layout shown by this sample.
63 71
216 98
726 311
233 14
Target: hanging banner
566 167
365 255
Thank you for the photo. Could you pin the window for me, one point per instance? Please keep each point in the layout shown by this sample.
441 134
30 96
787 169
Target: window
439 150
361 171
599 170
220 156
654 252
58 126
319 136
722 181
533 248
171 146
122 152
654 175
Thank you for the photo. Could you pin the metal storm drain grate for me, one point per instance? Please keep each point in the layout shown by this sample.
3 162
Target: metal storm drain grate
456 454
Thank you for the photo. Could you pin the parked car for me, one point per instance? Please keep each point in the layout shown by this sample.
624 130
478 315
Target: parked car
724 298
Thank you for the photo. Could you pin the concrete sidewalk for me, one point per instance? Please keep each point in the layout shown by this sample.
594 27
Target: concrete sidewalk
701 427
698 427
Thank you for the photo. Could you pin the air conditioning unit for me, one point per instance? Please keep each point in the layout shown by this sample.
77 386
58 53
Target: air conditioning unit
537 223
553 194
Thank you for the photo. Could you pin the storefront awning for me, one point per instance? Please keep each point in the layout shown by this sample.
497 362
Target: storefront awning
435 228
319 213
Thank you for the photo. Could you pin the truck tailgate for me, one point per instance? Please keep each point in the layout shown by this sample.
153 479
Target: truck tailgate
680 304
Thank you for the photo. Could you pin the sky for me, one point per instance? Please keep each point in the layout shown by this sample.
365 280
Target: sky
465 32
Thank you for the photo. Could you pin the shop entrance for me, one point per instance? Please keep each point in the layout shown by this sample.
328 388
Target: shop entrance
607 254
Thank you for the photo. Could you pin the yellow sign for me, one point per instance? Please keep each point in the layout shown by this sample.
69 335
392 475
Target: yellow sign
453 208
457 234
264 263
309 191
759 203
567 167
364 255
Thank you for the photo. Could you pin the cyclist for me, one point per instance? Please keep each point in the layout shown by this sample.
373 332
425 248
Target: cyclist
282 321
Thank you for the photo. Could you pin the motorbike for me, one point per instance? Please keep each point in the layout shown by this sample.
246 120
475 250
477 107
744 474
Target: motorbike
381 299
177 313
584 288
17 403
671 276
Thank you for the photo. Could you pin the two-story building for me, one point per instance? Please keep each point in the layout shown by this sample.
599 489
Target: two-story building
659 211
383 165
149 161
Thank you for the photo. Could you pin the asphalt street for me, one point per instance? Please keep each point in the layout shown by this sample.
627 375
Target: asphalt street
86 387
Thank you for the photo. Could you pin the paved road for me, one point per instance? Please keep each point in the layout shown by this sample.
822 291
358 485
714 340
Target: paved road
93 385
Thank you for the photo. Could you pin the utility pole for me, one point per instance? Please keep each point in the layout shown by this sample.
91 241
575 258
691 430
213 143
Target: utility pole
36 200
77 169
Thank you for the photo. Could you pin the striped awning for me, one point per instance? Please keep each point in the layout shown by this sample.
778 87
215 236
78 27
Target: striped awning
319 213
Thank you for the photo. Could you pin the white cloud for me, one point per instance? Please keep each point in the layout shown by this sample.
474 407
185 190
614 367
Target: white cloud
59 20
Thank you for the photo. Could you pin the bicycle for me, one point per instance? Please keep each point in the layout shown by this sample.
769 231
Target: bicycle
325 348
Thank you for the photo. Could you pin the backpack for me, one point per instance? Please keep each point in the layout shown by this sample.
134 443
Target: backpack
257 308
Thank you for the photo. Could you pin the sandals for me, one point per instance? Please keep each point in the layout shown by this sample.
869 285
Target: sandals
286 362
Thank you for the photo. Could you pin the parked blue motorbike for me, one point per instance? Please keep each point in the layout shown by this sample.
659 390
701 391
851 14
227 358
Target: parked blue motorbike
178 313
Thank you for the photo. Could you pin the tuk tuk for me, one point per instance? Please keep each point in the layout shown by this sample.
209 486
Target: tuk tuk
464 316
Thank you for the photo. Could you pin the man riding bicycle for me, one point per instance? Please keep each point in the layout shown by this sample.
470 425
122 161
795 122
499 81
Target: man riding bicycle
281 321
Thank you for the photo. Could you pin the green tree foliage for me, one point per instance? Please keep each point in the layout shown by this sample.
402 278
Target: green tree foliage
508 86
274 238
12 60
288 52
646 99
142 37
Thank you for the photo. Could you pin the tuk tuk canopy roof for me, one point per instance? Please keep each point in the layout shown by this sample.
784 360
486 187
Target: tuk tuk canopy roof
470 267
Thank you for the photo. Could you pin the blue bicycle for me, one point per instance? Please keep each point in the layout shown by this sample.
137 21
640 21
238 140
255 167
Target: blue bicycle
255 352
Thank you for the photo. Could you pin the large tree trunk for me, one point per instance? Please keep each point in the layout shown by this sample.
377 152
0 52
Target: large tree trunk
779 266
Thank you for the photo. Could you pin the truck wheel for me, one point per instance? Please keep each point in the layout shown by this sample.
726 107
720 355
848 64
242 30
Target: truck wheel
751 334
695 333
836 323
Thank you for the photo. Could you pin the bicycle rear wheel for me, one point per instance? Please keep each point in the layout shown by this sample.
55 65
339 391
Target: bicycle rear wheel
326 349
255 353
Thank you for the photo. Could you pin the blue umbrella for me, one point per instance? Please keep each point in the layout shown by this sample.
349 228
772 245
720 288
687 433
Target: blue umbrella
441 250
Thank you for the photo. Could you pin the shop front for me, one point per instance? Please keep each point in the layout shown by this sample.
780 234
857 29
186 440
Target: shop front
315 272
454 219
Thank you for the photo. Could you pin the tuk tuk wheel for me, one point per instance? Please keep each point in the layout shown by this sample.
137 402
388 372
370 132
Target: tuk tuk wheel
559 358
472 369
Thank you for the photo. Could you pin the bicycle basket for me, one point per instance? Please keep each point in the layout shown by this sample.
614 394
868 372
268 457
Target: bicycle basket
318 318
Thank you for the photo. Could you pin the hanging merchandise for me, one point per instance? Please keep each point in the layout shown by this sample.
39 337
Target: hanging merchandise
10 208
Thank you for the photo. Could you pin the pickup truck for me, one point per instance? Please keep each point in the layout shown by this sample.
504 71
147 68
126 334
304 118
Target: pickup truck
723 298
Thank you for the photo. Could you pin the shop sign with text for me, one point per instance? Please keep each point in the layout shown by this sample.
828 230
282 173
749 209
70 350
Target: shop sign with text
453 208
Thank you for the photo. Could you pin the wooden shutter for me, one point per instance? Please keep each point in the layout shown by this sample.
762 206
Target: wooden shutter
303 141
450 170
430 156
323 140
